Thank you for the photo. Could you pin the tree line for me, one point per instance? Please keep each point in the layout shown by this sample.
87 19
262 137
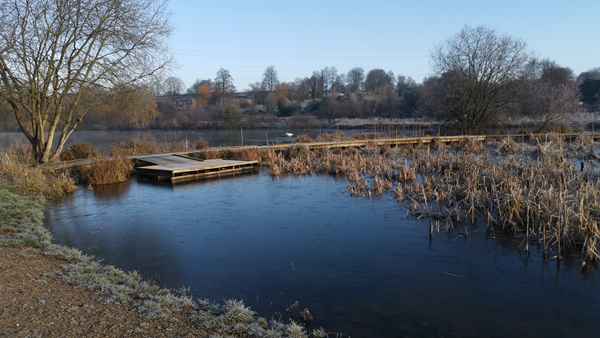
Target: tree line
70 64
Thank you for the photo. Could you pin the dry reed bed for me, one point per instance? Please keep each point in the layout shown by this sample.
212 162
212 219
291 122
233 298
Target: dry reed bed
548 198
533 188
19 176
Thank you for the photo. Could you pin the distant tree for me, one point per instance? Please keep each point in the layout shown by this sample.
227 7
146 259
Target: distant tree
329 75
271 102
166 108
129 108
270 79
316 85
389 101
355 79
173 86
232 118
281 91
203 96
404 83
593 73
589 85
552 73
55 53
193 87
378 79
223 86
479 76
303 89
339 84
550 95
257 92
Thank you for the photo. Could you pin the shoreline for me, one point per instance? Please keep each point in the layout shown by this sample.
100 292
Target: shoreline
56 291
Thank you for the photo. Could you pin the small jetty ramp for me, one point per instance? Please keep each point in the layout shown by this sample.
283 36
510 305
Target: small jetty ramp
178 167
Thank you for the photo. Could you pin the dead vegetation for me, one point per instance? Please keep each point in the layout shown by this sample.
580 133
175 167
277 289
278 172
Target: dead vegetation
111 170
19 176
548 191
79 150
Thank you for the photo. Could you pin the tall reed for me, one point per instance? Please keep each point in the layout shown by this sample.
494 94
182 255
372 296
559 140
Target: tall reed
112 170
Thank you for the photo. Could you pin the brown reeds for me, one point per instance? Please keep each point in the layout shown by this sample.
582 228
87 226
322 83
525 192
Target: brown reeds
17 175
337 136
247 153
546 196
201 144
111 170
303 139
79 150
548 199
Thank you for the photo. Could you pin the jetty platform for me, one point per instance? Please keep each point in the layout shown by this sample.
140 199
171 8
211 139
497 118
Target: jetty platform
176 167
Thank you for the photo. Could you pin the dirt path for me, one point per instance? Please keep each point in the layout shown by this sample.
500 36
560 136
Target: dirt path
34 304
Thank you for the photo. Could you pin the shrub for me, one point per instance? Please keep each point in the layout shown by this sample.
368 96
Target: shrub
303 139
201 144
296 150
107 171
79 150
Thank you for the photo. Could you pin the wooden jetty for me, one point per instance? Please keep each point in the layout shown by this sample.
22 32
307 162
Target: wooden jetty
177 167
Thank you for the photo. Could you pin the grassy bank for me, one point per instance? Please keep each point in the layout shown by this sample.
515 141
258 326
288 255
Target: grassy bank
23 194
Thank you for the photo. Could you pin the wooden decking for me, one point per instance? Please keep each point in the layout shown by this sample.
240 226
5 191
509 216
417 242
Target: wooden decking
176 167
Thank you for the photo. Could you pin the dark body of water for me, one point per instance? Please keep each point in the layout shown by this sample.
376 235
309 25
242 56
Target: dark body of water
360 266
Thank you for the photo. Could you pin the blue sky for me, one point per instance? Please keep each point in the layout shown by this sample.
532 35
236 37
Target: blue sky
298 37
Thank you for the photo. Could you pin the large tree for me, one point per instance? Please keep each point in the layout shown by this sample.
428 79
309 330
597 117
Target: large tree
355 79
550 94
378 79
174 86
54 52
223 86
480 74
270 79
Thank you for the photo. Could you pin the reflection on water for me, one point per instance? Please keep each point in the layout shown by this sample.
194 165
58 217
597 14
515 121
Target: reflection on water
111 191
360 266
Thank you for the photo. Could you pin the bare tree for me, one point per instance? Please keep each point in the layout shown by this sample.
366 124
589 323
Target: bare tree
405 83
192 89
377 79
355 79
223 86
551 94
480 71
270 80
173 86
52 52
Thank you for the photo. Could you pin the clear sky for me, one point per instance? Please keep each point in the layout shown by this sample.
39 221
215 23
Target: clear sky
298 37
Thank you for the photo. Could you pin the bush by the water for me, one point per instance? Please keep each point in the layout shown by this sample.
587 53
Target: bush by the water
79 150
108 171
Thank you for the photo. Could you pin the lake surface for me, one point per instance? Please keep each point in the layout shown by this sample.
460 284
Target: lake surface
359 265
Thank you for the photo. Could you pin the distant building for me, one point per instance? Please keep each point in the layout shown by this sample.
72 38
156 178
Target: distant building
181 101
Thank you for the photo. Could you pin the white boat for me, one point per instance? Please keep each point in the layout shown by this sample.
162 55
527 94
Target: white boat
288 134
